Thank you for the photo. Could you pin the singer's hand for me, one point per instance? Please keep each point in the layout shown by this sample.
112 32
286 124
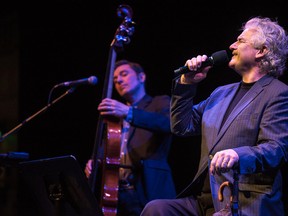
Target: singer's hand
114 108
88 168
194 64
223 161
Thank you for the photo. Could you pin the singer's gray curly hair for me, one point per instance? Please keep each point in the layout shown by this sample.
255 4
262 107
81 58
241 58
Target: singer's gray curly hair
274 38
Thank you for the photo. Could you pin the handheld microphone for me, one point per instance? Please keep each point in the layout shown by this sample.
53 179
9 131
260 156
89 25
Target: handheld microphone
92 80
216 59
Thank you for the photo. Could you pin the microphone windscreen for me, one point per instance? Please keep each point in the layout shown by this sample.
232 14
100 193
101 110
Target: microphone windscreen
220 58
92 80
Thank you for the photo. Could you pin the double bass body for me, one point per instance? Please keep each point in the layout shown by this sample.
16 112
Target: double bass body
107 148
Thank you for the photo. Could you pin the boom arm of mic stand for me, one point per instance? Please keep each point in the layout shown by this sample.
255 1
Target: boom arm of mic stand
19 126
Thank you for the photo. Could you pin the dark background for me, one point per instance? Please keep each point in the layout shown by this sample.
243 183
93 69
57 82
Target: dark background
59 41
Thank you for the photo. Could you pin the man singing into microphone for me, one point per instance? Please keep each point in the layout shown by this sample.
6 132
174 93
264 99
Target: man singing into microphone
244 127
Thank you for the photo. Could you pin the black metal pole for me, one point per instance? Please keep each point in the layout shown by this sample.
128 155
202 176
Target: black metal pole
19 126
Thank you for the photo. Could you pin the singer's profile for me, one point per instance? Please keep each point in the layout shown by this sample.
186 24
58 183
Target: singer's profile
243 129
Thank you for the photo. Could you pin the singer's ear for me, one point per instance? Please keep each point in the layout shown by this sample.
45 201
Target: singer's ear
142 77
262 52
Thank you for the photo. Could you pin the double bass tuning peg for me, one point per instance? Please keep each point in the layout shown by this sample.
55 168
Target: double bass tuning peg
126 28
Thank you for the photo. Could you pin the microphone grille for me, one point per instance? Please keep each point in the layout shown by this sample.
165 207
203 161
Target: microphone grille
92 80
220 58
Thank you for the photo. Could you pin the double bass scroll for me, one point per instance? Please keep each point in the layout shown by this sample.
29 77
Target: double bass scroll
104 178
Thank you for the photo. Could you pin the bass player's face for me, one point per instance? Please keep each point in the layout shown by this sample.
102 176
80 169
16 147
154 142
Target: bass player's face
127 81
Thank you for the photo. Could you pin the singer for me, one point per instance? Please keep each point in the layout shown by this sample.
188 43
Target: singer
243 127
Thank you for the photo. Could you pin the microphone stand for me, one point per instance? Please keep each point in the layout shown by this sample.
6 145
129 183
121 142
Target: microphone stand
19 126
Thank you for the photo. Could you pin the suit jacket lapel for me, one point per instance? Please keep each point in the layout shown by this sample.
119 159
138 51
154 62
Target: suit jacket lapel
244 102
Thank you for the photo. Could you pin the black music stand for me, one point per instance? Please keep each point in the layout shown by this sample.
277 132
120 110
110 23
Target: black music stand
58 187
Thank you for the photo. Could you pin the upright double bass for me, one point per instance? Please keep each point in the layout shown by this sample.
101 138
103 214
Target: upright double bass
104 178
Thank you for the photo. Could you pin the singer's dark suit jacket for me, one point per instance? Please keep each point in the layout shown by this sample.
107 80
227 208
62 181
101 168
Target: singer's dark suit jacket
148 145
257 129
